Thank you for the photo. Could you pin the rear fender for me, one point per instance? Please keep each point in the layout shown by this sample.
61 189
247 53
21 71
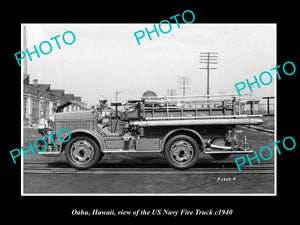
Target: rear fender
194 134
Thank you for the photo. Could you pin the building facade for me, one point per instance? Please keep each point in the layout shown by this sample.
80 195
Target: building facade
39 101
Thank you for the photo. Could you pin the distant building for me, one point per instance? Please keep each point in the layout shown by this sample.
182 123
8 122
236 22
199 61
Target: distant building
39 101
149 94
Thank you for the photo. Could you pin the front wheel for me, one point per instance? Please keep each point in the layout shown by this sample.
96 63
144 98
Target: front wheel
82 152
181 152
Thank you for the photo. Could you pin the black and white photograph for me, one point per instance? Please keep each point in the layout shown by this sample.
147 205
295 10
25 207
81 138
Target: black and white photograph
131 114
134 109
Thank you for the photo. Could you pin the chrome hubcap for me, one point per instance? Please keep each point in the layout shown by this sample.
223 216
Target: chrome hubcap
182 151
82 151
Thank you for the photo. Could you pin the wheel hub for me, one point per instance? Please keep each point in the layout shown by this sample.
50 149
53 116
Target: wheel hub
182 151
82 151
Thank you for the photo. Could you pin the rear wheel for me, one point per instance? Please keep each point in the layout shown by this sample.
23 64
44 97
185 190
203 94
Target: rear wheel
181 152
82 152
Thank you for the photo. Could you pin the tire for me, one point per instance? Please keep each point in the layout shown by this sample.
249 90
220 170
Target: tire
181 152
82 152
221 142
101 156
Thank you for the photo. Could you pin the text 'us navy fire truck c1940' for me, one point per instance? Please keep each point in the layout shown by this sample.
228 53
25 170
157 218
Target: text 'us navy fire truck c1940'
178 127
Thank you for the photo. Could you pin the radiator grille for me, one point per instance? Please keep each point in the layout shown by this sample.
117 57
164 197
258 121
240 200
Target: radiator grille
72 125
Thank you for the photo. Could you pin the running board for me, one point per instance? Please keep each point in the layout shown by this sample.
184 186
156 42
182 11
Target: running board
229 152
130 151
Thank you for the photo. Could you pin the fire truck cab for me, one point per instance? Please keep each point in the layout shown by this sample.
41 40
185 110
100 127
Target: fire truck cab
178 127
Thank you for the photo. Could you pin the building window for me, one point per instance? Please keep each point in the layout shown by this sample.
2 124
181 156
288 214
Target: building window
35 109
24 107
46 110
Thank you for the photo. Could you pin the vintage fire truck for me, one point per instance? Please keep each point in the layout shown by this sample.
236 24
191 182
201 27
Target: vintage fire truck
178 127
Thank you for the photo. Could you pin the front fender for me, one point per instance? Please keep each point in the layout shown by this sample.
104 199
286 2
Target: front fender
93 134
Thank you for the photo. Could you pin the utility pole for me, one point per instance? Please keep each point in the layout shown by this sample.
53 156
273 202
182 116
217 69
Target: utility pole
171 92
183 83
116 96
24 62
208 58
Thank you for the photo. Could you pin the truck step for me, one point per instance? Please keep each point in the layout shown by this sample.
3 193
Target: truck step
49 153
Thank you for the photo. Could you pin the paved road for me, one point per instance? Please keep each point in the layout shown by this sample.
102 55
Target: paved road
158 178
148 184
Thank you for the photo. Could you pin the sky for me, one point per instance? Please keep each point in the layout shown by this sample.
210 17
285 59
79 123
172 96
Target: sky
106 58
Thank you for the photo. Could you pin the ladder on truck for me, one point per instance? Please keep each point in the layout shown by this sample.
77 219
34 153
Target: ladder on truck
176 107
